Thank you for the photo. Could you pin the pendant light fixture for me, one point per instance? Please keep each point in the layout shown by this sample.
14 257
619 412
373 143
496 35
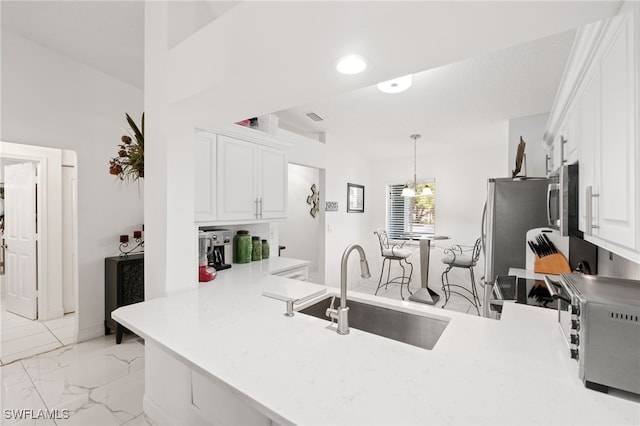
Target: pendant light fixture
410 188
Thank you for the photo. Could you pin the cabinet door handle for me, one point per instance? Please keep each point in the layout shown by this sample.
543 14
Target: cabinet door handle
563 141
260 201
546 164
589 207
257 211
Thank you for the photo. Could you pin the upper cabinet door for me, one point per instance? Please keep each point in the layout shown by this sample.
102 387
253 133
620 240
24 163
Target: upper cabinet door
237 196
617 196
205 177
589 147
273 183
573 136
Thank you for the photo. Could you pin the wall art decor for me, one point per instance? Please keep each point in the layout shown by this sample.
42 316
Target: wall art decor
314 200
355 198
331 206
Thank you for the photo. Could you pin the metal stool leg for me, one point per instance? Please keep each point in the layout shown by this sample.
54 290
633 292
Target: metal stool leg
381 274
402 279
446 289
386 286
410 276
476 298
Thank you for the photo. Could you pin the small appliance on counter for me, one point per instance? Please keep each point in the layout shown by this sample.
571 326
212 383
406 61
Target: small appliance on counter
221 252
205 248
600 320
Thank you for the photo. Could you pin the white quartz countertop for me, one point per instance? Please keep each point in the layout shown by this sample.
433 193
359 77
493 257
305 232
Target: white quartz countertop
299 370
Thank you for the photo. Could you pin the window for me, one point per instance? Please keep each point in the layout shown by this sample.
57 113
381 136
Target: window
410 215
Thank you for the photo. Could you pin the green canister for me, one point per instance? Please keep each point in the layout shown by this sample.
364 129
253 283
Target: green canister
256 252
242 247
265 249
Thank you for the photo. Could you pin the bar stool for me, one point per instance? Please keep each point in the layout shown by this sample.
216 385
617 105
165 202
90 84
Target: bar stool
390 253
459 256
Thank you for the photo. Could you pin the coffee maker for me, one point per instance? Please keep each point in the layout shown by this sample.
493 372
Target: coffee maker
221 252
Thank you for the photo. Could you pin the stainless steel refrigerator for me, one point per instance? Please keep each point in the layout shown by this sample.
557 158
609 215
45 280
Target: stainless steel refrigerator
513 207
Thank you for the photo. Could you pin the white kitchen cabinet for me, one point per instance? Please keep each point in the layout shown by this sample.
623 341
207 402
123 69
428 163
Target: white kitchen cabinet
590 124
272 183
566 141
205 207
179 393
557 152
597 106
617 219
238 179
252 181
573 134
236 165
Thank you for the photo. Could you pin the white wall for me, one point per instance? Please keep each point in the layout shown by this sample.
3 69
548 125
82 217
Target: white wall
342 228
51 100
339 165
461 187
301 232
531 129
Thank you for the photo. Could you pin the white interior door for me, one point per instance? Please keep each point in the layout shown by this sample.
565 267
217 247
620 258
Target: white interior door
20 238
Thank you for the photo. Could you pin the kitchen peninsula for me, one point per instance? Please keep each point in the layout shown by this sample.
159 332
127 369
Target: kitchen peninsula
222 353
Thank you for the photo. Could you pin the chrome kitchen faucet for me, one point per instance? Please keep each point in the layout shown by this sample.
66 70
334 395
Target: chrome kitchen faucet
342 313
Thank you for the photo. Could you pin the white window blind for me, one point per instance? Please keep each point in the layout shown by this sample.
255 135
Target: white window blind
407 215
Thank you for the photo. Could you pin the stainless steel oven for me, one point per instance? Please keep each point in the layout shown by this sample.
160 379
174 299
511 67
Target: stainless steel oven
562 200
600 319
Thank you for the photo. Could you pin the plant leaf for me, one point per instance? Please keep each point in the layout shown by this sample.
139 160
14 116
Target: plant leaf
139 136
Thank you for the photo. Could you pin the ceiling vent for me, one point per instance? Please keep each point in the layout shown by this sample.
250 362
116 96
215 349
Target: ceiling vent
313 116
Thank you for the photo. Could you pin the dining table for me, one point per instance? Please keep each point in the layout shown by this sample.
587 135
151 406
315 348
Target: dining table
424 294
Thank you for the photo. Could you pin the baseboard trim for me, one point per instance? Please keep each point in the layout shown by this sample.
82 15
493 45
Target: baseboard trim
156 414
89 333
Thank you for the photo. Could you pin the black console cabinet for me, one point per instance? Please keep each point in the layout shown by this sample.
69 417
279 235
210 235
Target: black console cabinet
123 285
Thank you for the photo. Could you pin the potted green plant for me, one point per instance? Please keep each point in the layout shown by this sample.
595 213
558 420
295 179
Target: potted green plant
128 165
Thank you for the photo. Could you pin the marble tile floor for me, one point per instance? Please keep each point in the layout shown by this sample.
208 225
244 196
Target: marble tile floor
91 383
456 303
21 337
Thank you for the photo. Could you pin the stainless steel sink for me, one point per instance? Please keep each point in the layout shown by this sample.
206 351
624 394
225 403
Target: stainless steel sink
404 327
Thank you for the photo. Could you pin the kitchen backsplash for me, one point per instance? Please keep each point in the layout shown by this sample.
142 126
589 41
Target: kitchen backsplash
616 266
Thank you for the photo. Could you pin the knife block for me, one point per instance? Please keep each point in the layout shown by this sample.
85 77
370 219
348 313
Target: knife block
553 264
562 244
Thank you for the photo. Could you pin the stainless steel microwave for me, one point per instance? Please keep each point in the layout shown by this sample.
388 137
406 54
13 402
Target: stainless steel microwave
562 200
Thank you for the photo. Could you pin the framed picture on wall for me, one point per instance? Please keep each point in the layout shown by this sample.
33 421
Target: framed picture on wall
355 198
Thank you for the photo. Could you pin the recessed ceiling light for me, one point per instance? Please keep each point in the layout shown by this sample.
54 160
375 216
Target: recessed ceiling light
396 85
352 64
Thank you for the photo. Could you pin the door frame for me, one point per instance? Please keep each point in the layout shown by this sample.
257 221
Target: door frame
49 226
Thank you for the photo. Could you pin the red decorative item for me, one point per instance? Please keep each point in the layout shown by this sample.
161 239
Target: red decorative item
137 234
124 238
206 273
